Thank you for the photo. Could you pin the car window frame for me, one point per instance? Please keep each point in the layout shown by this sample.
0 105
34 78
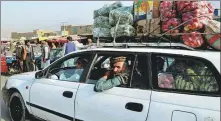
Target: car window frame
206 62
69 56
98 53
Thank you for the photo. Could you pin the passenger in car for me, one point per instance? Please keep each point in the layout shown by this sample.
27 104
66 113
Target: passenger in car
119 75
74 74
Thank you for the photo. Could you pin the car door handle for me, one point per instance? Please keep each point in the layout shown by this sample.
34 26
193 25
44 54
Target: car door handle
134 106
68 94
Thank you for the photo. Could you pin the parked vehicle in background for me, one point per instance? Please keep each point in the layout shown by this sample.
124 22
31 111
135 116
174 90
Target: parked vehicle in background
12 64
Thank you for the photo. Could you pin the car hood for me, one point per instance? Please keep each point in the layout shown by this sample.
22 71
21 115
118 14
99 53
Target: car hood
24 76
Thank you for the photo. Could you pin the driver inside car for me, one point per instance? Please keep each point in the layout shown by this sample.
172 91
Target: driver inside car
74 74
119 75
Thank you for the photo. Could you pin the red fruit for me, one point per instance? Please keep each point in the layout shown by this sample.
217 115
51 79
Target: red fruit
188 8
195 25
176 31
200 25
193 33
185 19
195 20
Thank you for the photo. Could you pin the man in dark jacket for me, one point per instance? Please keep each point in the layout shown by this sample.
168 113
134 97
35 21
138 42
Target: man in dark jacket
69 46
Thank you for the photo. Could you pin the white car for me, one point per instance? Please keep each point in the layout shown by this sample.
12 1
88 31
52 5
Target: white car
185 86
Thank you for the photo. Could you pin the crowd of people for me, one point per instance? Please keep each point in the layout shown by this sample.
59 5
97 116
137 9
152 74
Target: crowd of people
25 55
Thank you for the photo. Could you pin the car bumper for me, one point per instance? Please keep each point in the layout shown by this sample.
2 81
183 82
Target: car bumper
5 95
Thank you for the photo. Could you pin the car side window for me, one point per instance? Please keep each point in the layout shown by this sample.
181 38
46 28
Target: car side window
69 70
105 63
140 73
185 74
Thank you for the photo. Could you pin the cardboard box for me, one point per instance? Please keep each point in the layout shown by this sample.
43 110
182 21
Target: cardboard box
150 27
144 9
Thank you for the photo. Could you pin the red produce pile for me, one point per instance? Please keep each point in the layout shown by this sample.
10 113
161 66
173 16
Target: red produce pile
167 10
186 6
168 17
194 12
170 24
193 9
194 39
193 24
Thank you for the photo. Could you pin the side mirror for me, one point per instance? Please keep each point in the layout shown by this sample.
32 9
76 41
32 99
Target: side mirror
39 74
55 77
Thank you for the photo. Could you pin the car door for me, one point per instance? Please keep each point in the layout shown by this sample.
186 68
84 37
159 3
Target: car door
52 97
130 103
185 89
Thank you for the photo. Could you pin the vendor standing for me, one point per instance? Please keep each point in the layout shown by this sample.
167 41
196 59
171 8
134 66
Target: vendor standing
28 56
45 58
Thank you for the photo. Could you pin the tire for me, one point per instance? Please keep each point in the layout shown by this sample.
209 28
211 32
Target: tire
17 109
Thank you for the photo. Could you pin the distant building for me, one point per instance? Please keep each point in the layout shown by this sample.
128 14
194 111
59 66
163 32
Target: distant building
16 35
76 30
35 33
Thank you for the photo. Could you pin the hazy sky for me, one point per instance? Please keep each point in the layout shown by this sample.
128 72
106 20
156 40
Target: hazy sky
25 16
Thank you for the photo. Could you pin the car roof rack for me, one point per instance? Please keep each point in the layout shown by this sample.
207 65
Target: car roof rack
144 45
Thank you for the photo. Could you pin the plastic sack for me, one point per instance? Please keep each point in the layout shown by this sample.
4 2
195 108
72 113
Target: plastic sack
105 10
194 39
123 30
101 32
125 14
101 22
213 37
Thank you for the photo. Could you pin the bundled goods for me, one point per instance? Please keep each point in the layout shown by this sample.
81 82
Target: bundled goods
212 27
101 32
123 30
193 14
193 39
124 13
125 18
169 18
151 29
167 10
170 24
208 83
105 10
101 22
196 81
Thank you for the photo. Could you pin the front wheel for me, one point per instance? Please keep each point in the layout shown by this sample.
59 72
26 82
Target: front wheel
17 108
